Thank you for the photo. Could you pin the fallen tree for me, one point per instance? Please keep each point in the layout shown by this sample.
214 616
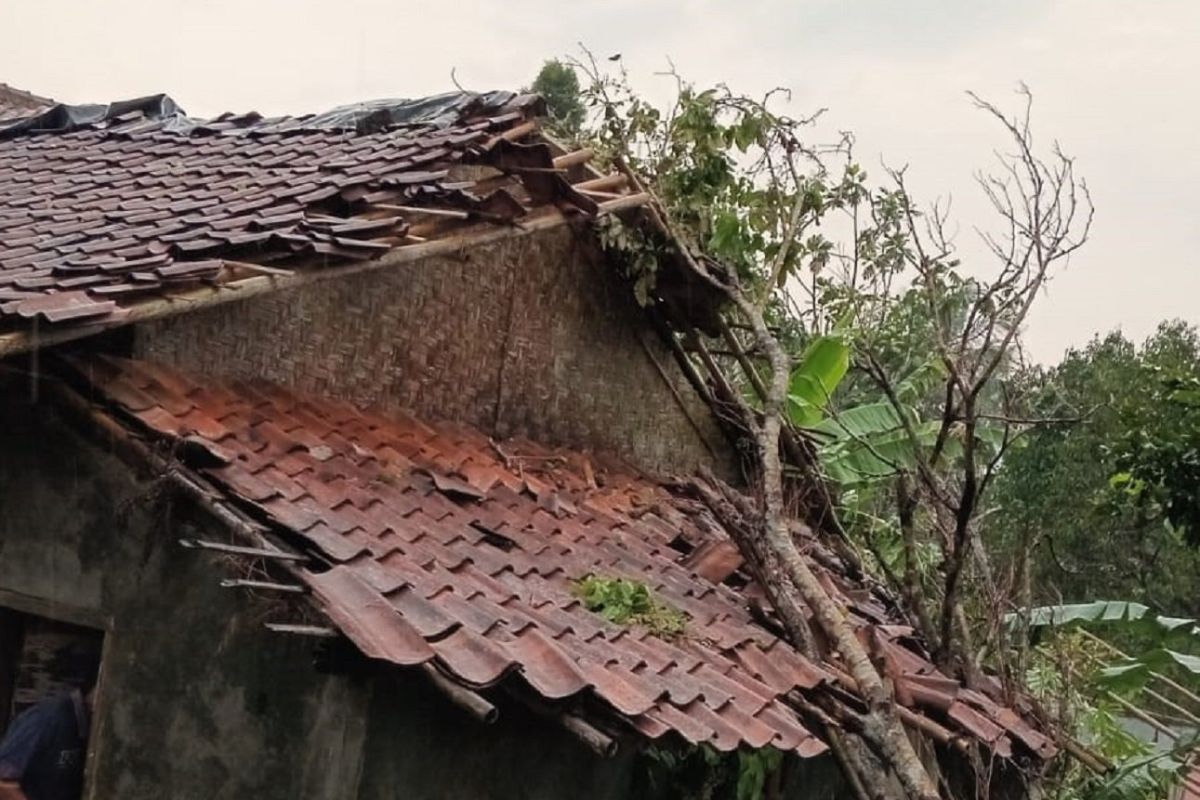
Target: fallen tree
738 205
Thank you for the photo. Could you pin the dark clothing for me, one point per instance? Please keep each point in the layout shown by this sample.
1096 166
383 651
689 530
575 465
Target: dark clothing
45 747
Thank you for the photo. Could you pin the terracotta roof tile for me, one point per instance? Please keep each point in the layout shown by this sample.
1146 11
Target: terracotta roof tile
444 556
122 207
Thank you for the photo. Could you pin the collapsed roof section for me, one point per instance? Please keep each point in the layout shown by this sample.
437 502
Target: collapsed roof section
107 211
433 546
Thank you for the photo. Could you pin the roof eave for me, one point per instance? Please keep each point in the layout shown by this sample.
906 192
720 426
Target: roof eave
33 338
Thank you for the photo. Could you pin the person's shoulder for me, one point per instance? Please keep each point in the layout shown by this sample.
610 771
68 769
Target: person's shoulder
50 707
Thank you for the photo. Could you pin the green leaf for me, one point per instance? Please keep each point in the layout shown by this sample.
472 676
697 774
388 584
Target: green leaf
1110 611
914 387
1188 662
874 444
1123 678
1132 674
991 434
825 362
1098 611
859 422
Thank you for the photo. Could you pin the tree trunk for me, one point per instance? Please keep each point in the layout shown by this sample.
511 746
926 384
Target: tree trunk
768 545
882 727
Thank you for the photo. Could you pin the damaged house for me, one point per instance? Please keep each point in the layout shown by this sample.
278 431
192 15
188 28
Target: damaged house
317 427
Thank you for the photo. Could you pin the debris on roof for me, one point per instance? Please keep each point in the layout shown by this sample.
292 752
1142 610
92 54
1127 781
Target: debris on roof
108 207
436 546
15 104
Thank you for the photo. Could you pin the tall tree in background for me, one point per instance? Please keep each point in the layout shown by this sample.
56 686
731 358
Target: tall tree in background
1079 510
558 85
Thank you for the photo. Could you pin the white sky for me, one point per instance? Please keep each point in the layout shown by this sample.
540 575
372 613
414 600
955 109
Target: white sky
1115 82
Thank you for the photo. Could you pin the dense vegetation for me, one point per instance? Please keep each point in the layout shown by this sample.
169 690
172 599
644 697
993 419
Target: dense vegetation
998 498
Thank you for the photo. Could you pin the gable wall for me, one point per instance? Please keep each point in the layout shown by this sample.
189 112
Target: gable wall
532 336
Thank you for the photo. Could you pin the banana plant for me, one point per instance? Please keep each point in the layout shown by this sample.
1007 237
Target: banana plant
1163 634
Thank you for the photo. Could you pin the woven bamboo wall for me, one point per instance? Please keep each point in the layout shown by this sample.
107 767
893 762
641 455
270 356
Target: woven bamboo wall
532 336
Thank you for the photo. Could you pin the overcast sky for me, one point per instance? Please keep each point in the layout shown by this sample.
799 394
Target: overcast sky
1115 83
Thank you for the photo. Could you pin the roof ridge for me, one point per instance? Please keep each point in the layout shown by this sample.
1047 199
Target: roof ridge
24 95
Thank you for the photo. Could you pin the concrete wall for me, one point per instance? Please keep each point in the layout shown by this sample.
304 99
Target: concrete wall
532 336
198 701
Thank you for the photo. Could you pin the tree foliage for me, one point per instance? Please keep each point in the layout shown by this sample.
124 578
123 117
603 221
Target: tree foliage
958 465
558 85
1090 499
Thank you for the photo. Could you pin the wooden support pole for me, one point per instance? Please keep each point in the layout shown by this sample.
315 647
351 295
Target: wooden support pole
624 202
264 586
593 737
603 184
514 133
450 213
580 156
205 297
743 360
1134 711
1182 690
681 358
601 195
597 740
461 696
714 372
318 631
1187 715
234 549
278 272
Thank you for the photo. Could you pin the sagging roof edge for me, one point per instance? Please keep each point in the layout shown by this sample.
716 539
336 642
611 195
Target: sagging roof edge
70 383
31 339
95 421
595 726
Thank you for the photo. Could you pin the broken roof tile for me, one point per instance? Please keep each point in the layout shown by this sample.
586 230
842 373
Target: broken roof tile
466 573
94 193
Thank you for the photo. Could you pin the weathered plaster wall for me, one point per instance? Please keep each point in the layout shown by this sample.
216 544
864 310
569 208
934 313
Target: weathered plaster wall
198 700
532 336
416 750
419 750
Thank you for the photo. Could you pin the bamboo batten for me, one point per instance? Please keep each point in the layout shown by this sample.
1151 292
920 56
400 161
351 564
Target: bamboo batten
204 297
